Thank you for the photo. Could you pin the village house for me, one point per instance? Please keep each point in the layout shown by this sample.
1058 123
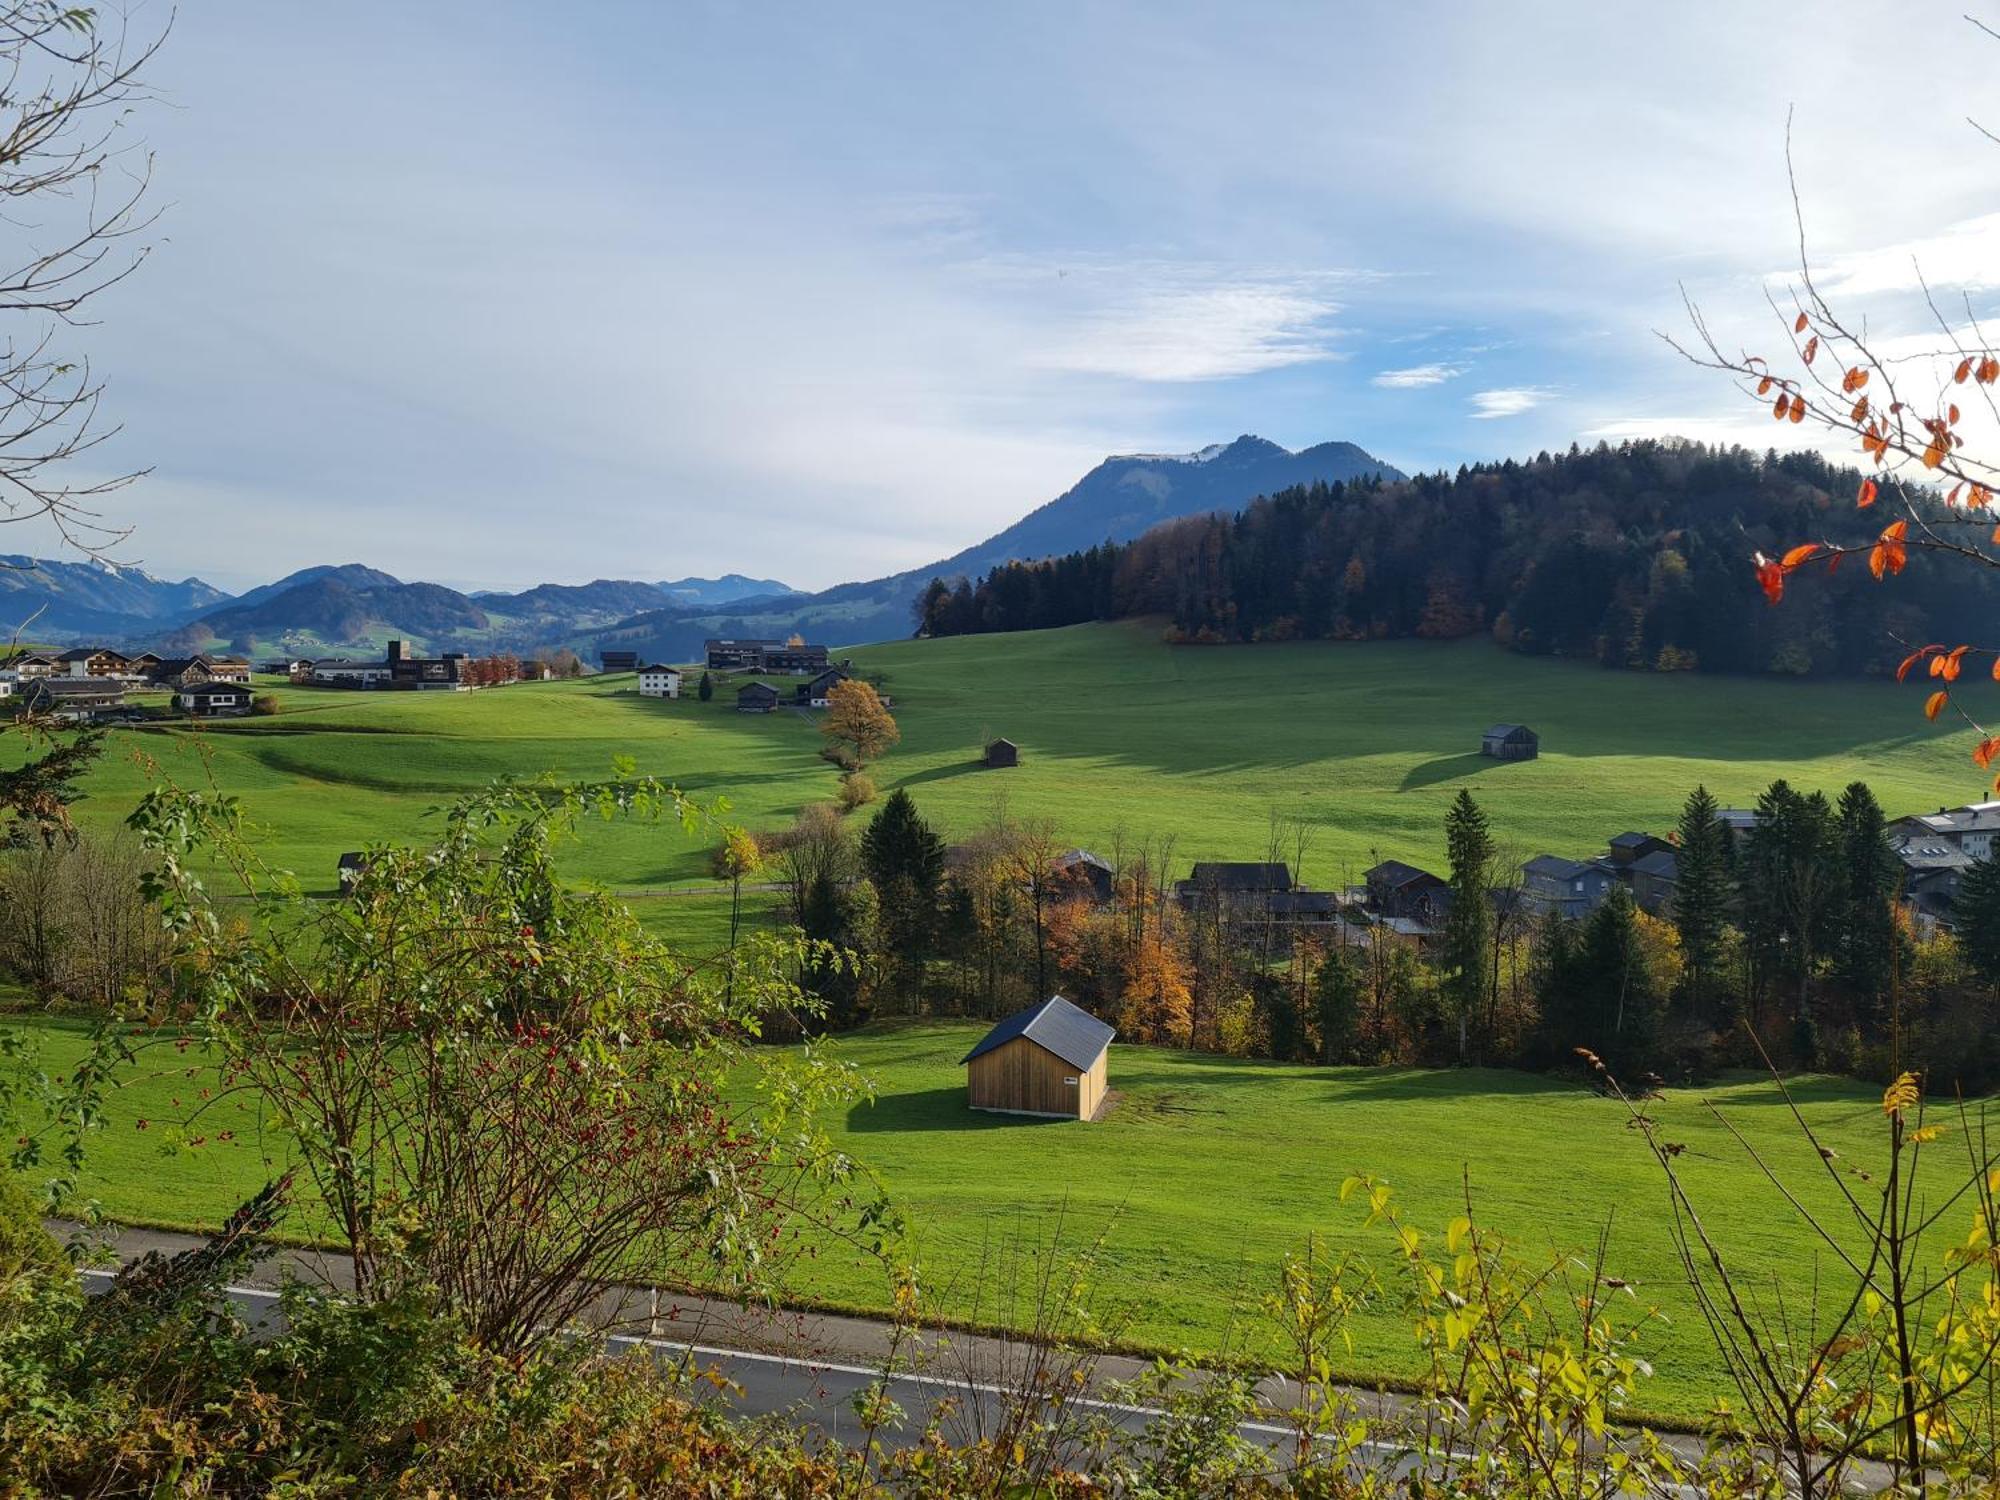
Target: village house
658 680
789 657
1932 869
1568 887
756 698
340 671
187 671
818 693
72 699
1399 890
1629 848
93 661
1653 876
1510 742
617 661
1084 872
213 700
1970 828
445 672
1050 1059
33 664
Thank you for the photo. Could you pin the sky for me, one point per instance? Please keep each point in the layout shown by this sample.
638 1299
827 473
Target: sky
496 294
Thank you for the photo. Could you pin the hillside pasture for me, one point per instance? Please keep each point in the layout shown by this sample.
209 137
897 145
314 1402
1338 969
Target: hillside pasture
1203 1173
1122 739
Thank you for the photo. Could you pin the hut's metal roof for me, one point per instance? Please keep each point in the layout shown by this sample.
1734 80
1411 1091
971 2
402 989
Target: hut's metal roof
1076 1036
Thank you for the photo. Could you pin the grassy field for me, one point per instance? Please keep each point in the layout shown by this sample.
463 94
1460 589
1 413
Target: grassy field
1204 1173
1120 734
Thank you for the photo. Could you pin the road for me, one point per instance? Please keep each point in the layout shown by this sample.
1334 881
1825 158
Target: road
810 1367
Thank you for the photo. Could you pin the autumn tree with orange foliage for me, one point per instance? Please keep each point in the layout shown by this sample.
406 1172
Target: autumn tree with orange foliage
857 720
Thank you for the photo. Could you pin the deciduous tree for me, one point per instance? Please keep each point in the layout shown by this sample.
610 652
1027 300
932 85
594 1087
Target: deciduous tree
856 719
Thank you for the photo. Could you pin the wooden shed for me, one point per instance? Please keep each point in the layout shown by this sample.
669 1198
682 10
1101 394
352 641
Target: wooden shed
1510 742
756 698
1049 1059
1002 753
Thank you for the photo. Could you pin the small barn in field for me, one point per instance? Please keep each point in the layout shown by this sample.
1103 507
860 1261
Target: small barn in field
756 698
1510 742
1002 753
1049 1059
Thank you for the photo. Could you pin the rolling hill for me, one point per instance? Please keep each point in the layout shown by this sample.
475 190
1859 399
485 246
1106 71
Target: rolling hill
1116 501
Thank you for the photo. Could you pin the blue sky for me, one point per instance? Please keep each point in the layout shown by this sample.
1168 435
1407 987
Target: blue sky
496 294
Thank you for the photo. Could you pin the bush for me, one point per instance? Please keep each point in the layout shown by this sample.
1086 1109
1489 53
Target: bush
24 1244
857 790
264 704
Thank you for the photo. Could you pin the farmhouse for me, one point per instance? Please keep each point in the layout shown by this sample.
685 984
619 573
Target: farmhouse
756 698
1970 828
618 661
1002 753
187 671
1568 887
657 680
32 664
73 698
407 671
1049 1059
1087 874
1510 742
1399 890
1629 848
93 661
792 656
211 700
819 692
1653 877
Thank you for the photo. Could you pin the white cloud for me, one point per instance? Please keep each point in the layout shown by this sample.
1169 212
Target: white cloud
1192 325
1508 401
1419 375
1962 257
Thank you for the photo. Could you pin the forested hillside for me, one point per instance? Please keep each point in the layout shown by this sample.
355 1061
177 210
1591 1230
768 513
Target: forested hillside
1638 556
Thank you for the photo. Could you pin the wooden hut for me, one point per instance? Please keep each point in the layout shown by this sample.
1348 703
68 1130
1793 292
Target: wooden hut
756 698
1002 753
1049 1059
1510 742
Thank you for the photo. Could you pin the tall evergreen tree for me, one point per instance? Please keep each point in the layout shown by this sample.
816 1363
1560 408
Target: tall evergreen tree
1865 935
1468 928
706 690
904 858
1788 878
1701 895
1336 994
1977 910
1614 976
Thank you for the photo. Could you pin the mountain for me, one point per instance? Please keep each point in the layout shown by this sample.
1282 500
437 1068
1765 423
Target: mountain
730 588
1116 501
61 600
350 575
582 604
326 611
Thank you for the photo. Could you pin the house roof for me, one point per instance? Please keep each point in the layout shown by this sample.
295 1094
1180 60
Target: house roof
1076 1036
214 689
84 653
1228 875
996 744
1634 839
1506 731
1304 903
1932 854
1555 867
756 690
1395 874
660 666
1082 857
75 687
1661 864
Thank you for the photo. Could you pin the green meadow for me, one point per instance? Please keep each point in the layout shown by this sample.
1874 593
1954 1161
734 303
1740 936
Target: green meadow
1187 1194
1121 736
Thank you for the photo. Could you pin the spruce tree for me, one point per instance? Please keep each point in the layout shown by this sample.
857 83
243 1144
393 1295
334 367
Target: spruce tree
1701 894
1977 910
1865 935
707 689
1336 1004
904 858
1615 984
1468 929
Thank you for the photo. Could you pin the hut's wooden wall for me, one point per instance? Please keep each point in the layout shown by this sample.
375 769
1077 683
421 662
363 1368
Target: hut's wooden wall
1024 1077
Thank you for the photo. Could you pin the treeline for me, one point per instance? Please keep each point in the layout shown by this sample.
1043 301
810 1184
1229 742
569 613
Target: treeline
1638 556
1785 942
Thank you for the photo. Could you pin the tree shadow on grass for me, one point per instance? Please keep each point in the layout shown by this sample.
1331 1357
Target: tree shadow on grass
942 773
934 1110
1447 768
